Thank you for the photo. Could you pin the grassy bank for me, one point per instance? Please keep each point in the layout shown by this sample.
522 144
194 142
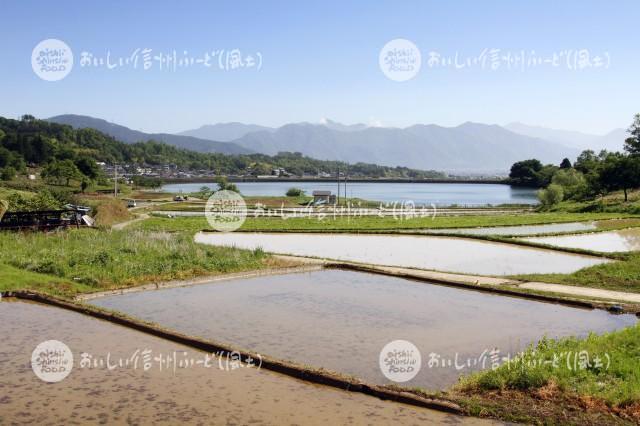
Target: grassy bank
329 223
623 275
613 202
542 386
75 261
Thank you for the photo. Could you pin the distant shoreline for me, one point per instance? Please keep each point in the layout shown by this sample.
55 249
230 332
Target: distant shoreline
333 180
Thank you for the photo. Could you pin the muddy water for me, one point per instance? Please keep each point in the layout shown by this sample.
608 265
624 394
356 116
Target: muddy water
341 320
195 395
519 230
424 252
607 242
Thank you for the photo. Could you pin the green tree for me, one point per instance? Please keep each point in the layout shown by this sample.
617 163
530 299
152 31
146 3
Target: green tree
587 161
544 176
88 167
573 183
43 200
566 164
225 185
61 172
525 172
632 144
621 173
551 195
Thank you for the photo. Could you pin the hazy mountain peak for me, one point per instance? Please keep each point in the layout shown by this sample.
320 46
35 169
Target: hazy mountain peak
334 125
612 141
225 132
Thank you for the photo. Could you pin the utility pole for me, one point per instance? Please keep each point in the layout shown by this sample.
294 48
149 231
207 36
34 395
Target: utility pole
338 179
345 184
115 175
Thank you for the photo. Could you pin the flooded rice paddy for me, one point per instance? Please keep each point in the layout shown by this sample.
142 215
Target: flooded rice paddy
194 395
340 320
606 242
520 230
424 252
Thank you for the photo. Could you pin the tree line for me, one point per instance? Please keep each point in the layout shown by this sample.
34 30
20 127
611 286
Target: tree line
591 175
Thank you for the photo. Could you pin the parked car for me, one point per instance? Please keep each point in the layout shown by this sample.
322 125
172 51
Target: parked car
132 203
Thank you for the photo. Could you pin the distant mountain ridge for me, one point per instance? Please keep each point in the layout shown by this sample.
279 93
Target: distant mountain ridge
470 147
128 135
467 148
224 132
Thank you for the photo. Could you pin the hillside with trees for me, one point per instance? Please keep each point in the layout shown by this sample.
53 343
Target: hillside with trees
66 154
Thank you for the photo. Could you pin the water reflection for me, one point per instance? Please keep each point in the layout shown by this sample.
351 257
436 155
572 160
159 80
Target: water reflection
606 242
425 252
341 320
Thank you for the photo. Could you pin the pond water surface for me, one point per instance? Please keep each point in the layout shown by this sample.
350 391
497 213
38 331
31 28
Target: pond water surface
606 242
424 252
440 194
340 320
194 395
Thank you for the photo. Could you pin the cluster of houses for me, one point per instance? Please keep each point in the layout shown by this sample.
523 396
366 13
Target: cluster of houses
173 171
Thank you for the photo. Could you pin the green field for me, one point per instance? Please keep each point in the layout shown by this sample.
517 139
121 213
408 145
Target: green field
76 261
375 223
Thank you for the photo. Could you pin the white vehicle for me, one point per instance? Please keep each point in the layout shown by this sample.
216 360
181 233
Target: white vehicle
132 203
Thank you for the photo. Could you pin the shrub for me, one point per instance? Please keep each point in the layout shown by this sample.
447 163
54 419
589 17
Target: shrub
8 173
551 196
295 192
573 183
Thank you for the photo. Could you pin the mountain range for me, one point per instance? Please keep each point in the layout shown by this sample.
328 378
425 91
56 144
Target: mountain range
467 148
127 135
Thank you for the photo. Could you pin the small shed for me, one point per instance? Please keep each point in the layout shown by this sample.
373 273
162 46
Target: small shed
323 197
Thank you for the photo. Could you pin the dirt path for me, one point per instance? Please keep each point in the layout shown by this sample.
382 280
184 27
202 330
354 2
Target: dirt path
479 280
122 225
595 293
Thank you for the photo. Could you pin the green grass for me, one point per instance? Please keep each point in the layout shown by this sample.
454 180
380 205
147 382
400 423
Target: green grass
616 382
330 223
91 260
12 278
613 202
622 275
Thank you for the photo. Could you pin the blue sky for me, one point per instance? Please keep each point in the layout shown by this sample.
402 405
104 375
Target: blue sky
320 59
